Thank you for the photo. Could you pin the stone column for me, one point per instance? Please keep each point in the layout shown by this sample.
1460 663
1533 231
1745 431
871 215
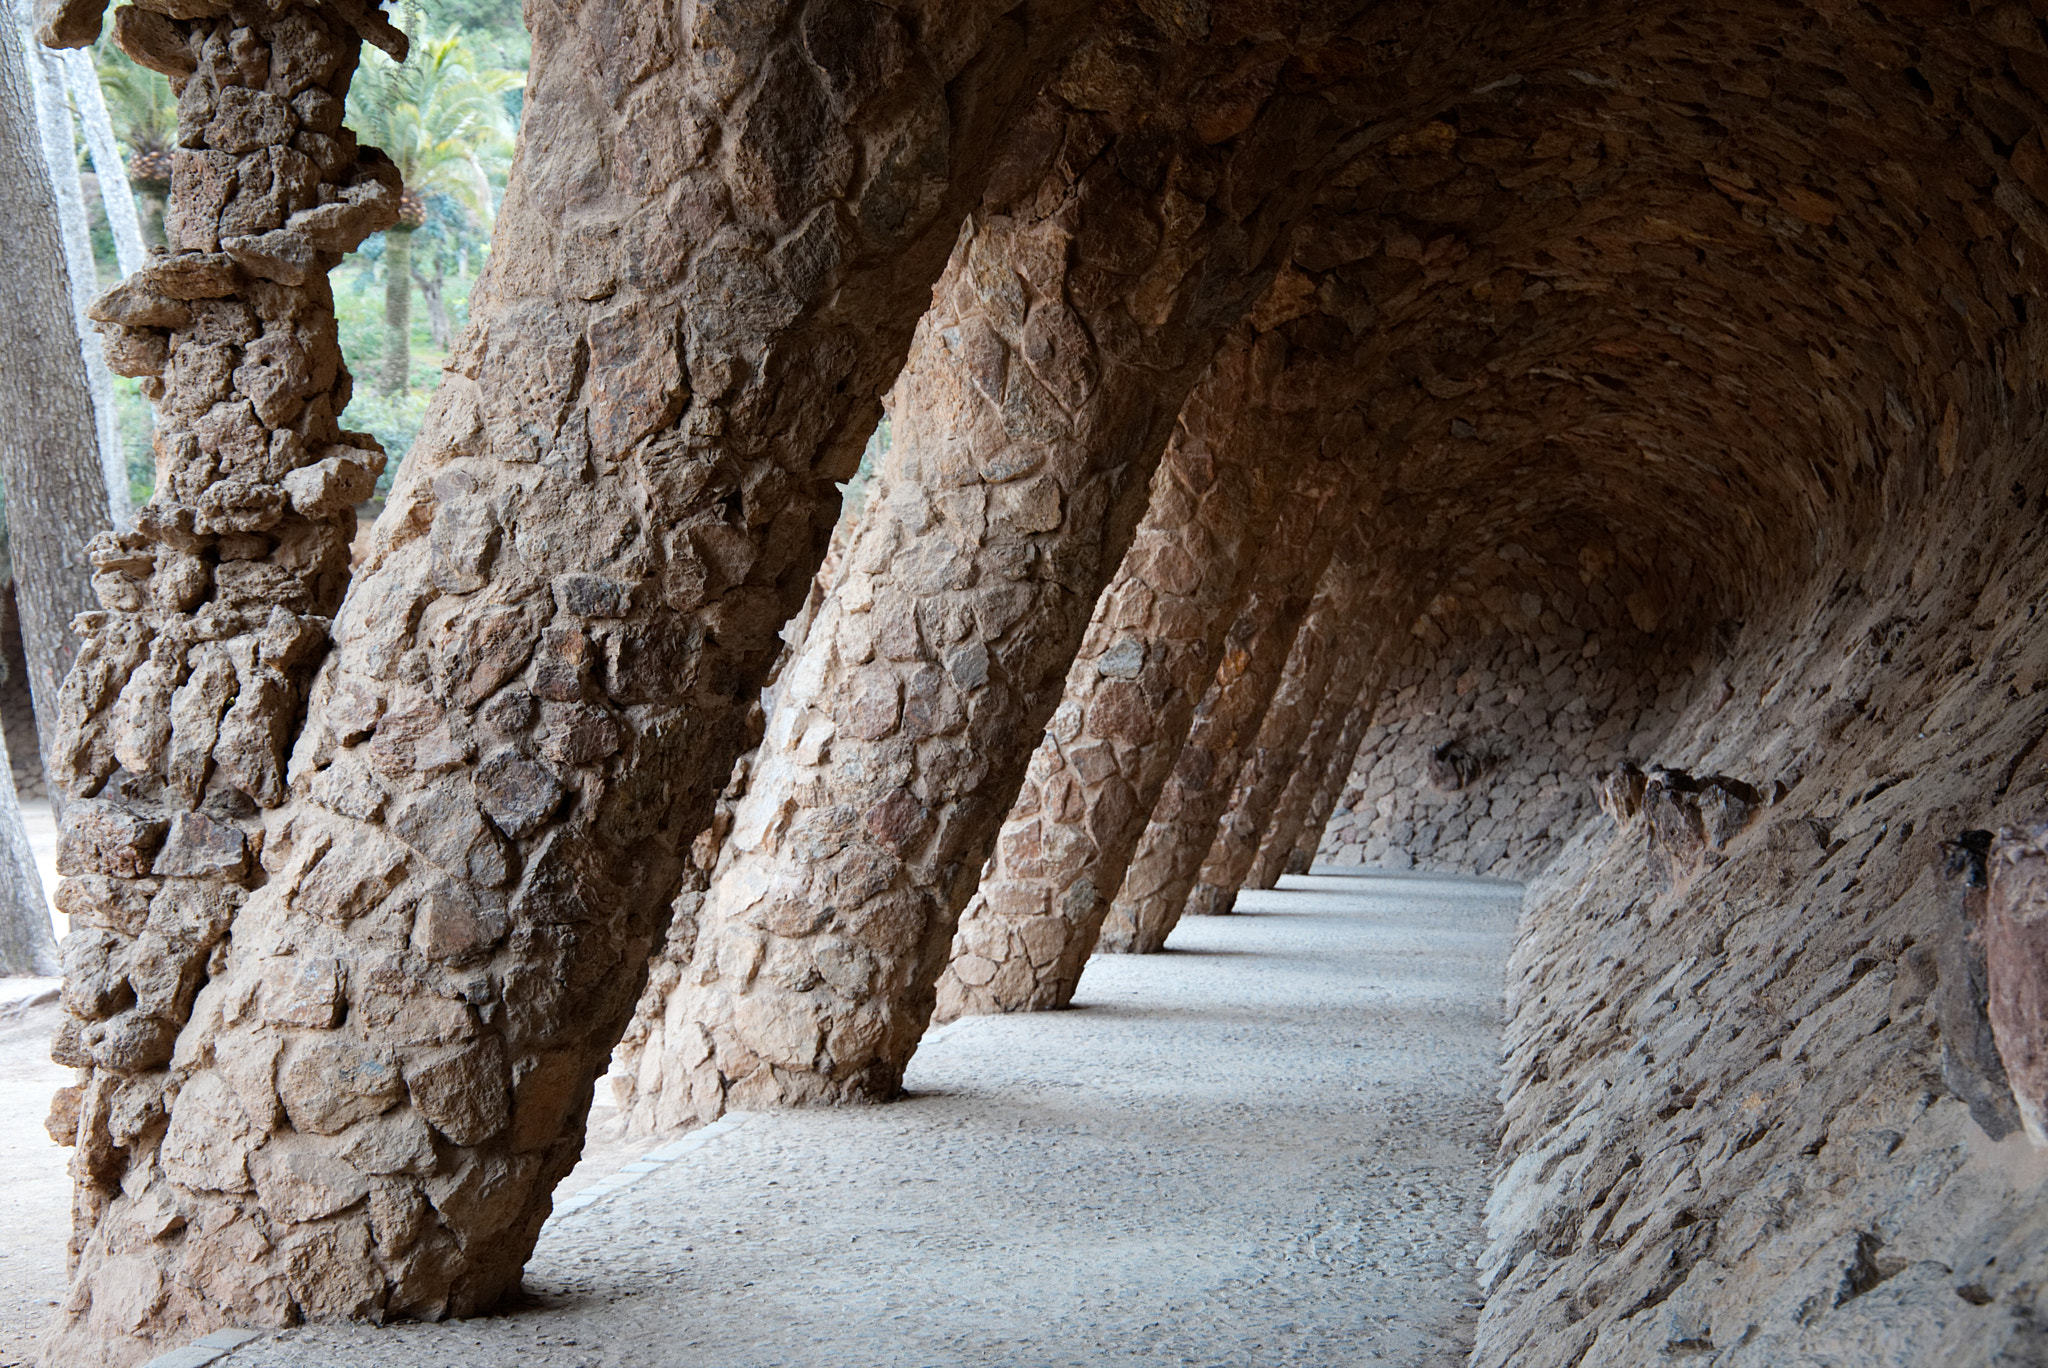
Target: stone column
1331 656
1322 805
215 607
1182 824
1131 693
1039 395
356 1105
641 1045
1327 758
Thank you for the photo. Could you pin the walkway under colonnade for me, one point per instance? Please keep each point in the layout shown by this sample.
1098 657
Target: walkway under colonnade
1270 1145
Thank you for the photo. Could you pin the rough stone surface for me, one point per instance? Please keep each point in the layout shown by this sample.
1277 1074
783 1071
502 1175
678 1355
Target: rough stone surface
216 605
620 492
2014 936
1042 388
1169 852
1540 714
1130 697
1332 653
1312 795
1698 372
1749 1116
1337 729
1729 1135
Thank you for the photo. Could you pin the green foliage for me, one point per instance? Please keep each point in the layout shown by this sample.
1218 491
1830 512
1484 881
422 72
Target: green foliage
137 432
496 29
441 119
447 117
447 240
393 419
854 492
359 305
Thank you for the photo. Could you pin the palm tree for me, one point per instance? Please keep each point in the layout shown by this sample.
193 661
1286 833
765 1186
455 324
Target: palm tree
437 116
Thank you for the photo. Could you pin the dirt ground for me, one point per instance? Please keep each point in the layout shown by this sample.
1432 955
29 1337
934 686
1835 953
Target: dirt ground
35 1198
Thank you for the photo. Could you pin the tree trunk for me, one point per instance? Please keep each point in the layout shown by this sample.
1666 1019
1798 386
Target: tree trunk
131 254
60 160
432 290
1131 694
1168 857
395 377
153 208
1335 646
83 81
1028 422
28 941
538 683
49 451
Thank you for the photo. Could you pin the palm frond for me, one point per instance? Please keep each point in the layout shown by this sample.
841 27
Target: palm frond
437 116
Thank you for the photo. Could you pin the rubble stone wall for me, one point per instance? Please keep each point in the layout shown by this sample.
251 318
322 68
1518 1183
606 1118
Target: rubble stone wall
1481 759
1735 1116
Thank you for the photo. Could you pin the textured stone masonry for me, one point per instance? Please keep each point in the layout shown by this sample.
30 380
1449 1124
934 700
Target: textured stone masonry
1331 745
1331 656
621 491
1041 390
1131 694
1543 719
1688 365
1794 1156
2014 936
215 608
1138 222
1169 851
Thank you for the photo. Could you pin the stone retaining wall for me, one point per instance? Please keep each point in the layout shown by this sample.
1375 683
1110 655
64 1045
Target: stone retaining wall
1744 1042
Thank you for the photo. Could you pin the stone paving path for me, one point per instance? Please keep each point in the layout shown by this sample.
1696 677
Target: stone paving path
1270 1145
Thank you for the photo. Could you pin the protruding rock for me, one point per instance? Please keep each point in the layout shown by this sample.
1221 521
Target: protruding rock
1454 765
1620 792
1970 1064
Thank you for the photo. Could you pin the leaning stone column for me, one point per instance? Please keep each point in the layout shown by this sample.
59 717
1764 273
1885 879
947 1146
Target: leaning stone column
1331 656
1182 823
1039 395
536 686
642 1044
1332 746
1300 855
1131 693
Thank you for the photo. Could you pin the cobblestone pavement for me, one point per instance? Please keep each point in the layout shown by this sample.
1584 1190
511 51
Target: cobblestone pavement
1269 1145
